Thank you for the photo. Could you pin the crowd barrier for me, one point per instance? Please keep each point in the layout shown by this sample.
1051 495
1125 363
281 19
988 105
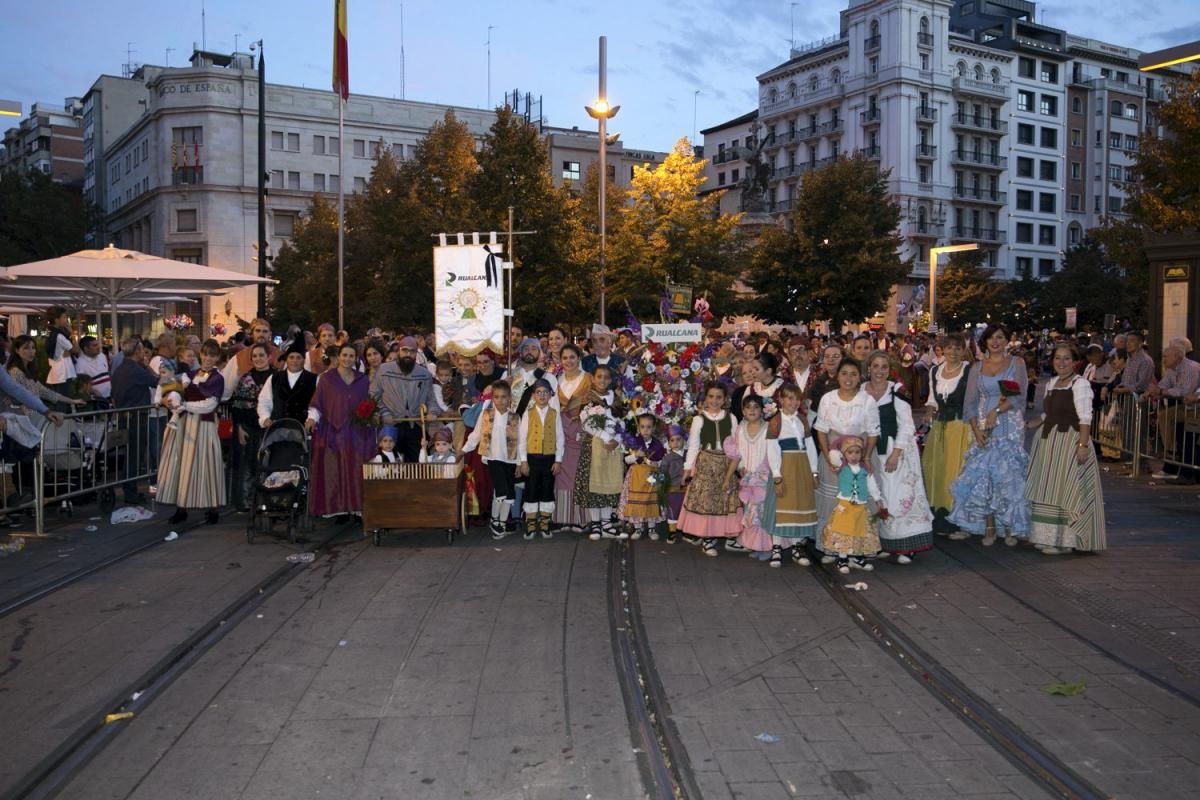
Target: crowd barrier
1150 431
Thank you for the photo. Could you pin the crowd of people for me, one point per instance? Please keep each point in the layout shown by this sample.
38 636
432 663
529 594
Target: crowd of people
848 448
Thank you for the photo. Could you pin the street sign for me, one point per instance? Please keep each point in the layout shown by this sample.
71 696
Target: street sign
672 332
1072 312
933 328
681 299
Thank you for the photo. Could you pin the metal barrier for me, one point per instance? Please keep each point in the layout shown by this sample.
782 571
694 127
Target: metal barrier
1171 434
94 452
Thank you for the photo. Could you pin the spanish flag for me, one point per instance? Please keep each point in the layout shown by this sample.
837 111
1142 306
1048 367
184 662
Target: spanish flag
341 51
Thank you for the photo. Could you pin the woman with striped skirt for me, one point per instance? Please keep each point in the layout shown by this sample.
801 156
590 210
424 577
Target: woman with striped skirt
1063 482
192 474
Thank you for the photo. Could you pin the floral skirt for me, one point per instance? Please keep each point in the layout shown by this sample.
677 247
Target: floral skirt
586 495
709 511
850 531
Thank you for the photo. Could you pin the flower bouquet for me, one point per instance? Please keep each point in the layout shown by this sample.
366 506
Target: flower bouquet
178 322
216 329
598 421
1010 388
364 414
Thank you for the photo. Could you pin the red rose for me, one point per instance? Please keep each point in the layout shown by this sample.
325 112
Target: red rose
883 513
648 383
365 410
1010 388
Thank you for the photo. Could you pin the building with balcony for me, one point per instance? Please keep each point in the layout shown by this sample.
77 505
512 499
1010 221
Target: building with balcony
727 147
49 141
573 151
110 107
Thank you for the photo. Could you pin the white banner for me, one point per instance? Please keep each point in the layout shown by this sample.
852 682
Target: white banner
468 301
672 332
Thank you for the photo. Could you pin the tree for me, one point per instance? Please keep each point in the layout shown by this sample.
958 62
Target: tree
1166 189
1090 283
670 234
967 293
514 171
839 259
306 268
40 219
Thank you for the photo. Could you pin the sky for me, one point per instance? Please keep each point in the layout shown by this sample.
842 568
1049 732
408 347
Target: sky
660 52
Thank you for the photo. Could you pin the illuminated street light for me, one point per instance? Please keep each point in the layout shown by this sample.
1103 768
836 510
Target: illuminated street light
602 112
1161 59
934 252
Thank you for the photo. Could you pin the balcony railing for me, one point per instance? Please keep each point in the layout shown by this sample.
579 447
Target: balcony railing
926 114
926 151
870 116
833 126
977 158
779 206
924 40
980 194
725 156
964 85
805 96
985 235
930 229
872 42
871 153
978 122
811 132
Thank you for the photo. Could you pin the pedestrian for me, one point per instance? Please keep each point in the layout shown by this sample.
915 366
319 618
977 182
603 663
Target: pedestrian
60 351
340 444
323 356
495 438
751 457
403 390
602 351
574 390
896 465
1180 379
243 411
191 470
672 466
949 436
1063 482
795 518
600 471
989 493
22 367
638 506
133 385
710 511
288 392
540 450
850 535
93 364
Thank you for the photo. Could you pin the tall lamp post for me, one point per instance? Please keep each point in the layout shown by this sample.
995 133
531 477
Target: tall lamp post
934 252
602 112
262 176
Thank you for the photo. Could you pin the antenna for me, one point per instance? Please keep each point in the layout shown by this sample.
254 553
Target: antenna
203 29
167 59
488 104
793 27
128 68
236 36
402 51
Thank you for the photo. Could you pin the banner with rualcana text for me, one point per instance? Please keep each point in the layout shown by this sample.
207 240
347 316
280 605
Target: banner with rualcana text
468 298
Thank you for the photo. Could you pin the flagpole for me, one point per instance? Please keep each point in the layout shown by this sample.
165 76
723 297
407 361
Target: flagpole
341 215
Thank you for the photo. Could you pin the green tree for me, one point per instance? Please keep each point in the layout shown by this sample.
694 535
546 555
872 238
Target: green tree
1166 189
40 219
306 268
514 171
1089 282
967 293
838 260
668 233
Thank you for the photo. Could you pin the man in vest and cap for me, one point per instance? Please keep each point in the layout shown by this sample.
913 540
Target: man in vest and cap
602 353
287 393
525 372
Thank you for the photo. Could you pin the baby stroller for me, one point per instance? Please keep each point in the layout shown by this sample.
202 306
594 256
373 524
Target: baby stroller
281 485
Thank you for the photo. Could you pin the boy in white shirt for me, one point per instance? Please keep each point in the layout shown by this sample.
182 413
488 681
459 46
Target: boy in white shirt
540 448
495 436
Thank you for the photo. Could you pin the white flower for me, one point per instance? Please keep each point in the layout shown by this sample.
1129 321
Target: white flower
694 366
685 373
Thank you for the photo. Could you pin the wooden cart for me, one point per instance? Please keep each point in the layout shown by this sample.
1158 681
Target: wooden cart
414 497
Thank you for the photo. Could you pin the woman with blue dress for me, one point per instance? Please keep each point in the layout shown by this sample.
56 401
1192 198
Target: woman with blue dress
989 494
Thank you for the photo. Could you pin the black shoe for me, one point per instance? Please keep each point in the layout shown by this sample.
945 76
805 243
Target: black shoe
179 516
210 517
672 537
776 556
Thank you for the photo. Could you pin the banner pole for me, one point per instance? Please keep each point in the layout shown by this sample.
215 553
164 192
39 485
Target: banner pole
341 216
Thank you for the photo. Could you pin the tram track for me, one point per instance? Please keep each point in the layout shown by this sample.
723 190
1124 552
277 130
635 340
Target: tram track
49 776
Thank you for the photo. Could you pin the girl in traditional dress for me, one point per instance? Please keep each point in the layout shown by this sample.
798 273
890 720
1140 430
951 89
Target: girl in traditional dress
751 455
989 494
191 474
850 534
639 506
600 471
764 384
710 511
896 464
845 411
1063 484
339 445
672 465
574 388
949 436
795 518
243 407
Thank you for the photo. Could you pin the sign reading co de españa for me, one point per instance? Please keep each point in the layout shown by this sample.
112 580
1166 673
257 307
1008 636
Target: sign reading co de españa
668 333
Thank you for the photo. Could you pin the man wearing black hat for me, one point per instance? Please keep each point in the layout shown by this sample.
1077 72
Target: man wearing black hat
287 394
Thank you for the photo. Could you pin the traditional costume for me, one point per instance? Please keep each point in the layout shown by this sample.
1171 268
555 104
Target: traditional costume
639 504
540 447
836 417
908 527
601 469
795 519
494 439
710 511
672 465
573 394
339 445
191 472
850 531
947 444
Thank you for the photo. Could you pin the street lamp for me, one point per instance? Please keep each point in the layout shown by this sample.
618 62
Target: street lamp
1161 59
934 252
602 112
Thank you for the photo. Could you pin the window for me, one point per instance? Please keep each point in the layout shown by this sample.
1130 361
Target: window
335 183
873 66
923 173
276 179
1131 142
1024 167
1024 266
1122 77
284 224
318 145
1074 234
360 148
1047 202
1049 72
1115 172
925 62
293 142
1024 200
570 171
137 156
334 144
373 149
360 185
189 175
1076 171
1130 174
185 220
127 163
1024 233
612 172
145 150
720 179
276 140
1027 68
1025 101
1131 111
1097 204
1076 105
318 182
1114 141
1099 138
1045 267
1050 137
734 176
1025 134
1049 106
1118 108
1046 235
1076 203
1048 171
293 179
1076 137
1114 205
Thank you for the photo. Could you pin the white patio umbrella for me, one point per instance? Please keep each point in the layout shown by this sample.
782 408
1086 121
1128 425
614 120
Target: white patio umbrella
112 276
